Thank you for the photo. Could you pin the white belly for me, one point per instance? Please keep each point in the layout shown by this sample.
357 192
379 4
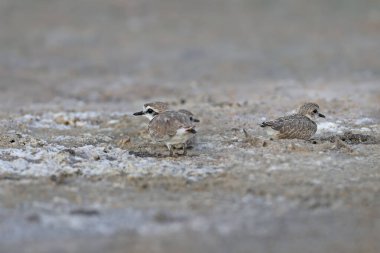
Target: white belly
181 137
271 132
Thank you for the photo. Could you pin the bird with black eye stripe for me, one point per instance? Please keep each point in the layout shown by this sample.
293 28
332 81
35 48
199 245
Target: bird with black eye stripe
297 126
170 127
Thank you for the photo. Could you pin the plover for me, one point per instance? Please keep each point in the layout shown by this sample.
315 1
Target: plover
169 127
190 115
191 142
297 126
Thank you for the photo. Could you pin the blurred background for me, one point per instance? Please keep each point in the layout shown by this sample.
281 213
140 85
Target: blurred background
123 50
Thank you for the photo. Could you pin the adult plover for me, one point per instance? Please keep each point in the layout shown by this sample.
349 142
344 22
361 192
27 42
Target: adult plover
169 127
297 126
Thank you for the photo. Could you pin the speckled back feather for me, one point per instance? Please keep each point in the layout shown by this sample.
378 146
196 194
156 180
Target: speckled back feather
165 125
295 126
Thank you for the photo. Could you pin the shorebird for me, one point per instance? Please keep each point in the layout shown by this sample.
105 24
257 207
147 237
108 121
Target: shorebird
190 115
191 142
297 126
169 127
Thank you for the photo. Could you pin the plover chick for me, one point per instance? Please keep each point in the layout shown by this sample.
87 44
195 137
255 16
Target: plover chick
297 126
150 110
190 115
191 142
169 127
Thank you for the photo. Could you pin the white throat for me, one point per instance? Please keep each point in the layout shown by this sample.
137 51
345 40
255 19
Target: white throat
310 117
149 116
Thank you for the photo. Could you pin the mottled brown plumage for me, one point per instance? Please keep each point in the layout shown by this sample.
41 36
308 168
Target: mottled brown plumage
171 128
191 142
165 125
296 126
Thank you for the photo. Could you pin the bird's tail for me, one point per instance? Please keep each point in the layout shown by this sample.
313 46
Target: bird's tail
266 123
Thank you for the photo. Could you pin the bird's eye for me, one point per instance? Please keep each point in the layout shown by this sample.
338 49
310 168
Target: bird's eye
315 111
149 111
191 118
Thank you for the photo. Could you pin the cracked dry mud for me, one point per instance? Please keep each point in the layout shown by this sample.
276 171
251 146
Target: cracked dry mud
78 172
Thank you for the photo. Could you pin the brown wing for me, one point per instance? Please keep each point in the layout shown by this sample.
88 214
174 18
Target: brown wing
278 124
165 125
295 127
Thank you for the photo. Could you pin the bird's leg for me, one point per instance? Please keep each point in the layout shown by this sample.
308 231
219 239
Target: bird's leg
184 149
170 147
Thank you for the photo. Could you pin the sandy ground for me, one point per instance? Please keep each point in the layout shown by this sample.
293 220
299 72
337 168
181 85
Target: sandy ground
78 172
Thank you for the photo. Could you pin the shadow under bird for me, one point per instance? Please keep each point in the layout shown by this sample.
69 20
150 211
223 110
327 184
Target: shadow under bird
297 126
169 127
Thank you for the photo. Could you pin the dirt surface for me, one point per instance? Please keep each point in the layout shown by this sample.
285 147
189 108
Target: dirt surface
78 172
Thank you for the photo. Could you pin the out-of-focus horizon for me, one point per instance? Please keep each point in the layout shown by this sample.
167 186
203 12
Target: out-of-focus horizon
50 48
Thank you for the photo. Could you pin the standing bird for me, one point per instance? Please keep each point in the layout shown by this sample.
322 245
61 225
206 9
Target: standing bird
297 126
169 127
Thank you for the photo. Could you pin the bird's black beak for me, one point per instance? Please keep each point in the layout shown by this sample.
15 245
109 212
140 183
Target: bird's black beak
196 120
138 113
321 115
